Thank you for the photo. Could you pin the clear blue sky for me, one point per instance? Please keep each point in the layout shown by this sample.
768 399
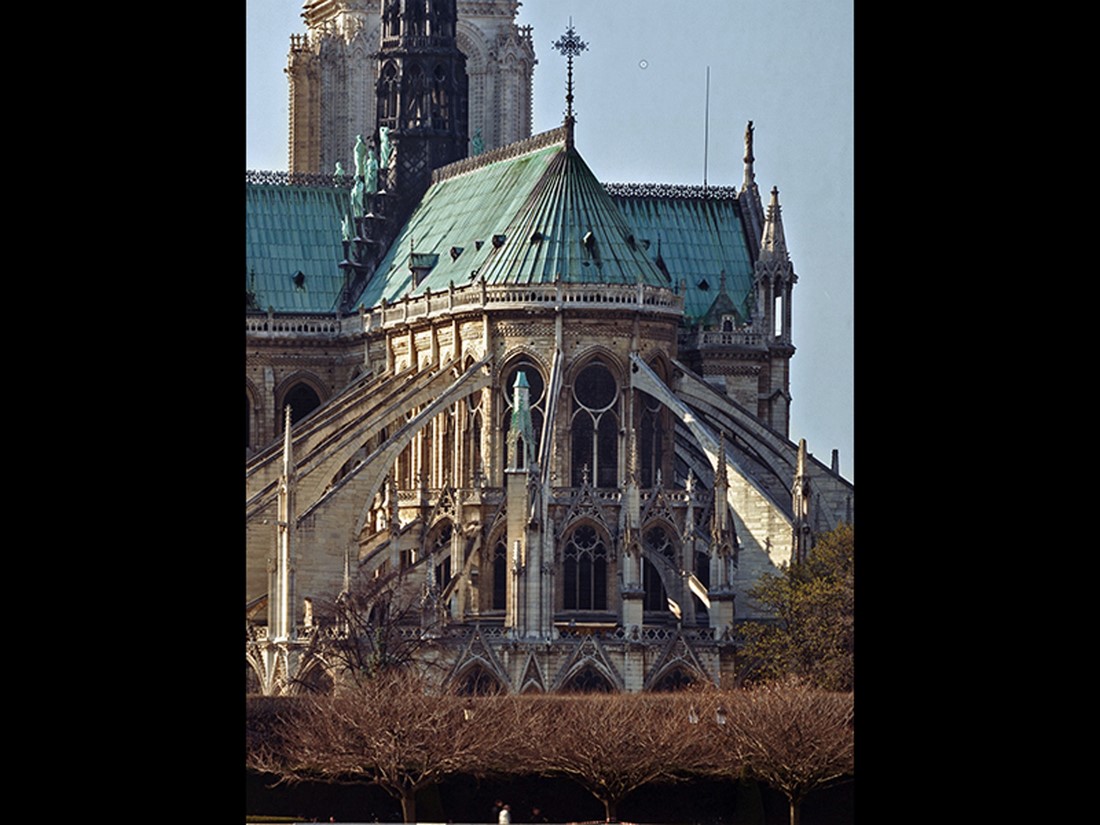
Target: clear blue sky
787 65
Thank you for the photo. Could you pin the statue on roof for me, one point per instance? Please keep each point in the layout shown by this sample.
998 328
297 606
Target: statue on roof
357 193
372 172
478 143
339 173
360 157
386 152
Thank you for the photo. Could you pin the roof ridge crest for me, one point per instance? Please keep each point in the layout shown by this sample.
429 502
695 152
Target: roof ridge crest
512 150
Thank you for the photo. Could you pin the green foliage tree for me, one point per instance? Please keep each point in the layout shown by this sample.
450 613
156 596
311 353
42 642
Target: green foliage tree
813 634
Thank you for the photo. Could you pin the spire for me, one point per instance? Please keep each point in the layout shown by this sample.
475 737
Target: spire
802 538
521 433
288 453
773 244
719 532
750 175
281 595
569 45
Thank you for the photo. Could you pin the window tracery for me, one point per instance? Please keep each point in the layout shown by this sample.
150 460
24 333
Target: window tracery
584 570
595 427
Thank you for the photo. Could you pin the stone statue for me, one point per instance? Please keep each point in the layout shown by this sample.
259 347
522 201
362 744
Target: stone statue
357 192
372 173
339 173
478 143
386 152
345 228
360 157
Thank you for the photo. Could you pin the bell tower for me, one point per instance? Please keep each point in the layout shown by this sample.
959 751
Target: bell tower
422 94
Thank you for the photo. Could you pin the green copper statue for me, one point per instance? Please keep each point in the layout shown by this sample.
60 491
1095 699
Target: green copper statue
372 173
357 193
360 157
387 149
478 143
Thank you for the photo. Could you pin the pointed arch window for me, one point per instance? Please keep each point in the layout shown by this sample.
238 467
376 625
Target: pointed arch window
588 680
500 576
659 546
473 469
595 427
441 553
303 400
387 115
536 395
584 571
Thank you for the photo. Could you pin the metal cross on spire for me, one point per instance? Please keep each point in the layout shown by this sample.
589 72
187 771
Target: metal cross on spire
570 45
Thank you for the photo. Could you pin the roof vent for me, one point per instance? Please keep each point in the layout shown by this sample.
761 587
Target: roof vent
300 280
478 244
455 252
630 242
498 241
536 236
703 285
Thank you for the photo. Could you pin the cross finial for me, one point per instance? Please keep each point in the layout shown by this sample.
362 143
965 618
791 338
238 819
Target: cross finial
569 45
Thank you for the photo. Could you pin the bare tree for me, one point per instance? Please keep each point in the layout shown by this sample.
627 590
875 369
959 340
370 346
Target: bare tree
395 731
610 744
789 735
372 628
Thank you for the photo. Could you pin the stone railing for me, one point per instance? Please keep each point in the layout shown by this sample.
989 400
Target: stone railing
297 326
279 178
481 297
670 190
717 338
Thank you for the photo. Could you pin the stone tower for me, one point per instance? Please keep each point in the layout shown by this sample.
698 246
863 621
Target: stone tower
422 94
333 72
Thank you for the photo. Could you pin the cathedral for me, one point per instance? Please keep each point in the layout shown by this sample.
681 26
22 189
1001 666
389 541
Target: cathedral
550 414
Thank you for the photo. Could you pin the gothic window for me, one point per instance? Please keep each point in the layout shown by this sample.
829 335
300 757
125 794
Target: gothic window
439 99
702 573
587 680
595 427
673 680
415 104
302 400
441 551
500 575
393 21
584 571
535 394
445 426
416 18
655 598
388 99
651 438
477 681
472 451
658 544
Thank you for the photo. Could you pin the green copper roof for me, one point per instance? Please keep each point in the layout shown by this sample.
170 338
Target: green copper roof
696 237
292 229
529 218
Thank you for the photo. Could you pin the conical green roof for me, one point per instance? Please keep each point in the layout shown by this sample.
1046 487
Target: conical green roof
515 217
